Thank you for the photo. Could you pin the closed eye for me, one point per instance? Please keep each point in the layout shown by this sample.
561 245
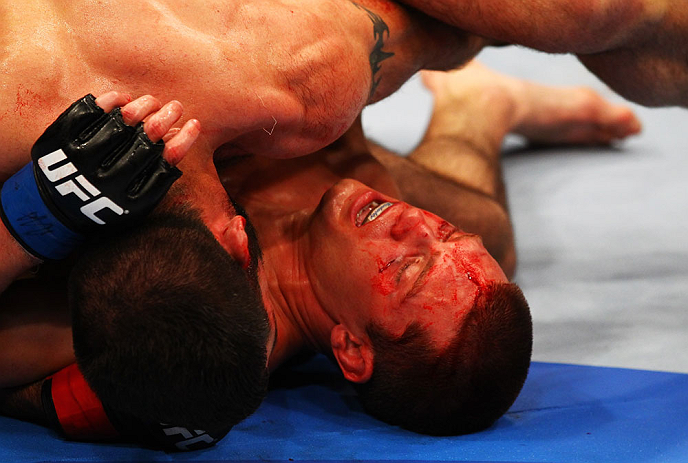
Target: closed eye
420 278
407 269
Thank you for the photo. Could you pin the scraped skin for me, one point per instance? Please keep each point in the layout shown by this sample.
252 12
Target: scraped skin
455 172
407 265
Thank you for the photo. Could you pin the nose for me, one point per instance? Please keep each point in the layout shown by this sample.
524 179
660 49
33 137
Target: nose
411 222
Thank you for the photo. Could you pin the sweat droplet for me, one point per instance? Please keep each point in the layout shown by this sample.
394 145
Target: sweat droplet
469 276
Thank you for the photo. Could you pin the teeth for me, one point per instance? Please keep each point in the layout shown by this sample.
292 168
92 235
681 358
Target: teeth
375 213
360 217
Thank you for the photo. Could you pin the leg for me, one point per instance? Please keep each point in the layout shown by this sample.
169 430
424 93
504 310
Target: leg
476 107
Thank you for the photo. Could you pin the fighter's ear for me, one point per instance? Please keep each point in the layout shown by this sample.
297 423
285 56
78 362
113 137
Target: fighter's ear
235 240
354 355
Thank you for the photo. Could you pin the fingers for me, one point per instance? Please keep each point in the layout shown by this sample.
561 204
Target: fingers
178 144
158 124
170 133
137 110
111 100
158 121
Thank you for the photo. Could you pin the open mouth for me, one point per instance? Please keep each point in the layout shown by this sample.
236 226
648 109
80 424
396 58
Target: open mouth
370 212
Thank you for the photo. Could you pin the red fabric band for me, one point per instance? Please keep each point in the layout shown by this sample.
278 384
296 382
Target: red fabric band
80 412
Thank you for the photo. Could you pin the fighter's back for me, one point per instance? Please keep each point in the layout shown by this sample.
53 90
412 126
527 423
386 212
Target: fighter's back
278 77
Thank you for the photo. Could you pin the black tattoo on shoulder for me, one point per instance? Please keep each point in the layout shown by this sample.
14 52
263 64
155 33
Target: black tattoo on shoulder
378 54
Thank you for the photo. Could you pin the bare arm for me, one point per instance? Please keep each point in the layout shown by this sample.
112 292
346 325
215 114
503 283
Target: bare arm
348 54
15 261
35 327
464 186
24 403
408 41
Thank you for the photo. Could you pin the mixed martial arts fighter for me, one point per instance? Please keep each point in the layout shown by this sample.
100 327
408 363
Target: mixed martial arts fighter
351 272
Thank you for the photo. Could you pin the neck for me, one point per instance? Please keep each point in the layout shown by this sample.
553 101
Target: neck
300 321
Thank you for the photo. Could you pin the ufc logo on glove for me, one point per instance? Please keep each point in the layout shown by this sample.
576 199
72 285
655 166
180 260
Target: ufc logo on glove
91 173
59 173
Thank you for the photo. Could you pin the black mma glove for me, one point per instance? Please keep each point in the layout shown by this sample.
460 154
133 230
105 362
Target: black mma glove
90 173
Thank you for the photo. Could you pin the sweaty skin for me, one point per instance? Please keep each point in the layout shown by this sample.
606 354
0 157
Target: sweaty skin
273 78
269 77
277 78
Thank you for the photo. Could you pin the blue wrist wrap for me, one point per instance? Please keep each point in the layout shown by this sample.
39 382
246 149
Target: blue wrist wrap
30 221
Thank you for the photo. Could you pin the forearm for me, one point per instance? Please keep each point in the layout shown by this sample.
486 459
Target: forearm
35 327
15 260
50 206
23 403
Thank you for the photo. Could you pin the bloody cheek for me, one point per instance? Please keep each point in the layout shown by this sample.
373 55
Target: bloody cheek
381 282
445 230
469 264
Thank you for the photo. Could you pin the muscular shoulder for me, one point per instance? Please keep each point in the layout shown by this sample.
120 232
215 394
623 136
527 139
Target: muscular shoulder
33 67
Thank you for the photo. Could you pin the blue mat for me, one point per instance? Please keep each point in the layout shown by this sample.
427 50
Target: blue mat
565 413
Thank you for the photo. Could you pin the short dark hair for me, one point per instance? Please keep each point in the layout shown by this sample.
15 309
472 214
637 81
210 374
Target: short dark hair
167 327
464 388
